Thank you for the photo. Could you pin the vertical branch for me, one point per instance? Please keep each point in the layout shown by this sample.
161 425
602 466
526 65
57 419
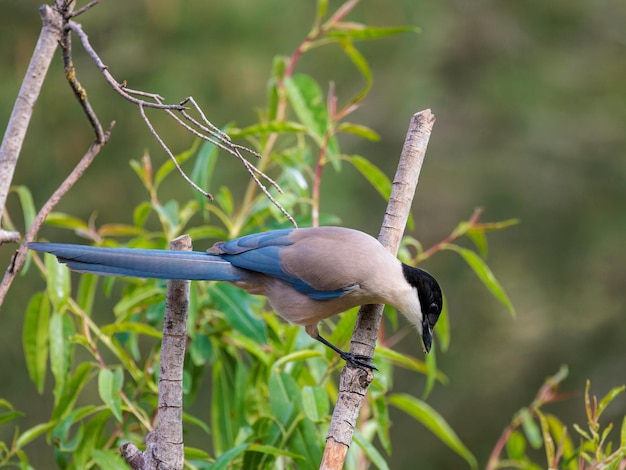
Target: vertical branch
354 382
24 104
164 446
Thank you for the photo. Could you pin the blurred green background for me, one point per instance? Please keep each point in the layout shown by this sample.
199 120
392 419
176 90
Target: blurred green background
530 100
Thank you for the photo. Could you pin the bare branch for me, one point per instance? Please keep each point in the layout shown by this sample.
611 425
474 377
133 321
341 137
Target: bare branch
23 108
354 382
204 130
72 178
164 445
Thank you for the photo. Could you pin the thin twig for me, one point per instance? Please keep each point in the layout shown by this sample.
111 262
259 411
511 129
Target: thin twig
207 131
20 256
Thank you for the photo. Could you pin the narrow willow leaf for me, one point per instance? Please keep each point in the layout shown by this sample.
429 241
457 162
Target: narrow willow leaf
359 61
9 416
58 277
119 230
67 398
141 213
433 421
431 376
370 451
315 403
26 201
238 308
223 404
108 459
91 436
109 387
131 327
307 101
516 446
370 32
87 292
373 174
532 431
32 433
35 339
383 422
442 328
226 460
548 442
359 130
60 219
59 363
483 272
608 398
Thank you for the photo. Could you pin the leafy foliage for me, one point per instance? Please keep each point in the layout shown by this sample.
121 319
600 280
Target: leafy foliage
271 386
540 429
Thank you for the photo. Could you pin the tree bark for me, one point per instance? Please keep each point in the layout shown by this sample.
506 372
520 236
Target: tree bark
353 383
164 445
23 109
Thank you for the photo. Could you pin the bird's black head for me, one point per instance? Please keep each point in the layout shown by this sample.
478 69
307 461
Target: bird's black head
430 298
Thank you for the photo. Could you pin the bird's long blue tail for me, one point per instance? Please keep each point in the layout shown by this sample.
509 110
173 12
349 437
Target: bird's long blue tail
158 264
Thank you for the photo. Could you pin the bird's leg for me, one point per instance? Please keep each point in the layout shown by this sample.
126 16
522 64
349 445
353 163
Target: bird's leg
357 360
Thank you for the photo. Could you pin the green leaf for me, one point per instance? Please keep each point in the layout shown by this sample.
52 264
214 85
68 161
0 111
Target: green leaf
28 206
433 421
442 328
608 398
359 61
131 327
238 308
315 403
35 339
226 402
60 219
483 272
140 297
407 362
141 213
58 277
307 101
431 376
516 446
373 174
370 451
301 355
224 461
60 348
357 32
87 292
91 436
359 130
9 416
67 398
32 433
109 387
108 459
383 422
532 431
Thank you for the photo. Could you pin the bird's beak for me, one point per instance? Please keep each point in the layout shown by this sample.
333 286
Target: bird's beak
427 335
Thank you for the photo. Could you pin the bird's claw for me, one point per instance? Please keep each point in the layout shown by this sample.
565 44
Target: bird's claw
359 361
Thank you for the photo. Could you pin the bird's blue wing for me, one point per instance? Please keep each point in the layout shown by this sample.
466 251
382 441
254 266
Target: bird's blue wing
260 252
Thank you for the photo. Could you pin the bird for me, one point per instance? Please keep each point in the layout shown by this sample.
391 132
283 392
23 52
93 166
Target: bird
307 274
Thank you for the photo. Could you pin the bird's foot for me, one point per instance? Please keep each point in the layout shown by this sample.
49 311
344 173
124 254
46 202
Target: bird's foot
359 361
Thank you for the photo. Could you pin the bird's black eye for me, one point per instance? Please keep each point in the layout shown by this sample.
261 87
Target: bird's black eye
433 308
